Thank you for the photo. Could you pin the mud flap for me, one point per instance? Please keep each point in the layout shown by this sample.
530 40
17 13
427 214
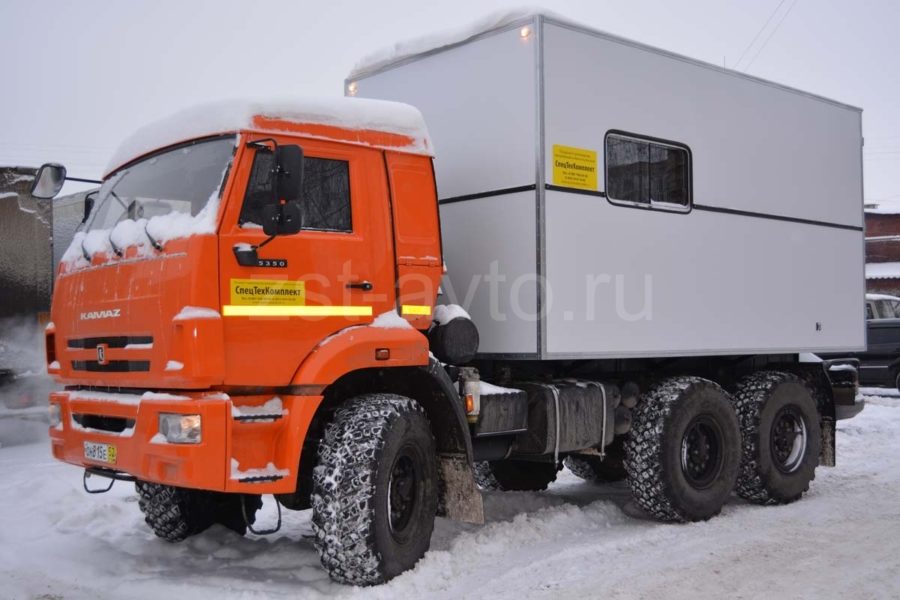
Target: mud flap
827 458
460 498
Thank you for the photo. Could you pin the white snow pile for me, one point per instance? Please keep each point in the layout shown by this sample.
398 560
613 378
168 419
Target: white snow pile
390 320
226 116
270 470
489 388
842 540
885 207
273 406
130 233
419 45
883 270
196 312
120 398
444 313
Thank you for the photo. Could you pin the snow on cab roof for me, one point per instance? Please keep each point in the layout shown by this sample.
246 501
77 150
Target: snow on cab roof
354 114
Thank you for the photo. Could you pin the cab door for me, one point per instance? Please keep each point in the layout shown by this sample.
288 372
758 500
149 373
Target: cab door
338 271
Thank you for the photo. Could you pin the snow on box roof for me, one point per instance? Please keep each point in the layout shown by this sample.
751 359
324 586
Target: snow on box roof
409 49
354 114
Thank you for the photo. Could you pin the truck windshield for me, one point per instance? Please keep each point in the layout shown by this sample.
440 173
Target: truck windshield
182 180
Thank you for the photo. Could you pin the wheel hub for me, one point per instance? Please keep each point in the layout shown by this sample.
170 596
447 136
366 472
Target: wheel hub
701 452
402 492
787 441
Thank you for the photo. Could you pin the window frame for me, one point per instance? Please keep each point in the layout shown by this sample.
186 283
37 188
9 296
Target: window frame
652 205
316 155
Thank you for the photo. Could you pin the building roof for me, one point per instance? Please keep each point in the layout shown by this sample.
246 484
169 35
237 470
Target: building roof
884 270
377 123
882 208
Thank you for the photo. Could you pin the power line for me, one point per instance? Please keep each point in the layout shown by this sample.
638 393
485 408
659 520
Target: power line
758 33
771 35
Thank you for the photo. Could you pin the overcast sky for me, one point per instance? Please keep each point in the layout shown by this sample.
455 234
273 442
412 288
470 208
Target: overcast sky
79 76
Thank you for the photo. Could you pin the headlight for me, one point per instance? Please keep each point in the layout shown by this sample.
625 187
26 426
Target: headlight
55 415
180 429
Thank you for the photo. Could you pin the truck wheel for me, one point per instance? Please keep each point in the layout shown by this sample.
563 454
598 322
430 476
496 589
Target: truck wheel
782 437
175 513
522 475
684 450
591 468
375 489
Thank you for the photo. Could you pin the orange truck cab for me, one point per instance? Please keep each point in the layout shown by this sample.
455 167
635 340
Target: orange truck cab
244 267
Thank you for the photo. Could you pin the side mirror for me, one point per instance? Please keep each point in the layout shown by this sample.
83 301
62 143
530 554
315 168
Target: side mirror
48 181
289 182
281 219
88 206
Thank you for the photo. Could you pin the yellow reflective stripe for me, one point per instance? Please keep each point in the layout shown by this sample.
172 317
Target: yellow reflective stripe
415 309
233 310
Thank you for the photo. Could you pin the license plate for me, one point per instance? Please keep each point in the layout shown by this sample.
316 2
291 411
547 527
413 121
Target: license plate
105 453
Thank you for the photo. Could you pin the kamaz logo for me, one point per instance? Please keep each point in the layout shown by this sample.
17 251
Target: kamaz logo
101 314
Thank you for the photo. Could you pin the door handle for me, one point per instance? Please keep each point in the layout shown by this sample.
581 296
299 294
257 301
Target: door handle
365 286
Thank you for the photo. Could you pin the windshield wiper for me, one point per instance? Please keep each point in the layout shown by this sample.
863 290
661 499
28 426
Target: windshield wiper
153 241
115 248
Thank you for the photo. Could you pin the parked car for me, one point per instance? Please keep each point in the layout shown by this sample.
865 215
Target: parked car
879 364
882 306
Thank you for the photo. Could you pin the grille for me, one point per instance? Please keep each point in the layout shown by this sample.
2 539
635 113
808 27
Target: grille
113 366
116 341
103 423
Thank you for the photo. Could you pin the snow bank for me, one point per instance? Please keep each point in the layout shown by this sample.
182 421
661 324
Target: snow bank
61 542
227 116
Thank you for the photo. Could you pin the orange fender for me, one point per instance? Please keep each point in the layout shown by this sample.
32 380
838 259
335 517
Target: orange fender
361 347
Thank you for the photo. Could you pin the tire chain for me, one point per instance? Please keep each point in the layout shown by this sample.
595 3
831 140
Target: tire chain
344 488
748 399
643 451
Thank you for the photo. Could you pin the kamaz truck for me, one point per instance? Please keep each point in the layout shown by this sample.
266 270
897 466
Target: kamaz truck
265 297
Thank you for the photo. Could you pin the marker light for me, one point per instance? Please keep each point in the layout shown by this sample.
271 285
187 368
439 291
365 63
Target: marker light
352 88
55 415
525 32
180 429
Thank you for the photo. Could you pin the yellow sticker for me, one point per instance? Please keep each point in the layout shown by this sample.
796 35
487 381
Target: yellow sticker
268 292
574 167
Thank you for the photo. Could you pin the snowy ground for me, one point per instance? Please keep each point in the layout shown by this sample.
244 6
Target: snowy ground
574 541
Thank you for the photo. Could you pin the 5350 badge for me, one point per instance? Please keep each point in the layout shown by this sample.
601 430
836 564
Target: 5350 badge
272 263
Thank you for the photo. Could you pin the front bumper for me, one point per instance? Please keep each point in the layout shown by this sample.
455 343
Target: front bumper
259 454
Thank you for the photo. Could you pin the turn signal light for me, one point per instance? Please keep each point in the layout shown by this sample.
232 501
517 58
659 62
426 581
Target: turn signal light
382 353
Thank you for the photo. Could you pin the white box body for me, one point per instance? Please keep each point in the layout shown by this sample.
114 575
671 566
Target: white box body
768 259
